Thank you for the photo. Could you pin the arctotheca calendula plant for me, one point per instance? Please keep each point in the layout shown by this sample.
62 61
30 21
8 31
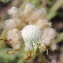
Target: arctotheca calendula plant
29 29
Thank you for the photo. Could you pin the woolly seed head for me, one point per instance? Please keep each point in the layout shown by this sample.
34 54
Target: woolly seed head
29 7
48 35
31 33
43 23
15 37
53 46
13 10
13 23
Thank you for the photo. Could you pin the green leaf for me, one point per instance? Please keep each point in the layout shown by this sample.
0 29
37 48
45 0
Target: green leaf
6 56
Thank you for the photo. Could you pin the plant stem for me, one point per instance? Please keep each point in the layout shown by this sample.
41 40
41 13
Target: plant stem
43 59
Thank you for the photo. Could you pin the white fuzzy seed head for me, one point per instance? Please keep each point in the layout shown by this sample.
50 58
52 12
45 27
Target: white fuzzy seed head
42 13
29 8
48 35
53 46
14 23
31 33
37 14
43 23
13 11
15 38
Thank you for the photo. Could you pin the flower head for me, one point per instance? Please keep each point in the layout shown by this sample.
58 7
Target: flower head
29 28
31 33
